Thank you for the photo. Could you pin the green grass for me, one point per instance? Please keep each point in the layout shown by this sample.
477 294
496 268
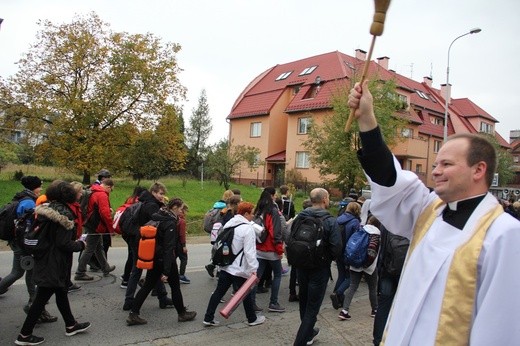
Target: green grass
200 198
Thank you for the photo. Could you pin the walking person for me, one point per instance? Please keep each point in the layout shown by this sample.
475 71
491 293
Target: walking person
240 270
52 268
463 247
182 250
164 265
271 250
313 280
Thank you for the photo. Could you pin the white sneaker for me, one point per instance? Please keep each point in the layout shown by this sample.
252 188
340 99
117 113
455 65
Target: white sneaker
259 320
211 323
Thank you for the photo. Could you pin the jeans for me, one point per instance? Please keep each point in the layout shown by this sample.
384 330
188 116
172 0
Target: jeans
387 289
343 281
371 280
277 278
313 284
225 280
153 278
135 275
94 247
42 296
17 272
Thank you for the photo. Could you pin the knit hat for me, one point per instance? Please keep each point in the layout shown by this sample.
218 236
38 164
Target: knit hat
31 182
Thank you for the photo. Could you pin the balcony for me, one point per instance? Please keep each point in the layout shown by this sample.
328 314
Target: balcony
411 148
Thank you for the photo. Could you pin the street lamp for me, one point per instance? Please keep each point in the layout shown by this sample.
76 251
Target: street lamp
448 89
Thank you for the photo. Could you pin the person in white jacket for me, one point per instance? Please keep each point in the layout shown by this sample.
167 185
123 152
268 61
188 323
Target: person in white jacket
241 269
372 228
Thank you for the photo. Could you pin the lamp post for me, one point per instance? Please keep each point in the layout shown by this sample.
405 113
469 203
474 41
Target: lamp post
448 89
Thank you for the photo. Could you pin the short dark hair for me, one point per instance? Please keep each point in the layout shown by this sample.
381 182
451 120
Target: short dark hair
61 191
175 202
284 189
480 149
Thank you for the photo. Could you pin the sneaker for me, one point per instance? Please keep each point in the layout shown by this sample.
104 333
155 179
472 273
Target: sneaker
343 315
276 308
315 333
26 308
285 271
257 308
187 316
259 320
134 319
373 313
109 270
77 328
210 268
294 298
29 340
83 277
184 279
74 288
124 284
45 317
166 303
222 300
212 323
335 301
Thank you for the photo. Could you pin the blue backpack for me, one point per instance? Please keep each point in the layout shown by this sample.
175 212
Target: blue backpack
356 249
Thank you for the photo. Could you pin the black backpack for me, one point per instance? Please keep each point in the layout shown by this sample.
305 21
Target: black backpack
305 246
36 239
222 251
394 254
8 220
129 221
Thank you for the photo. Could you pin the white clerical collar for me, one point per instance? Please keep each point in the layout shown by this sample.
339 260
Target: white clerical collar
453 205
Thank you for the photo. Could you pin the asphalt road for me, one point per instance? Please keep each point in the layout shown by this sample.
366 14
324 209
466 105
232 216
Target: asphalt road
101 301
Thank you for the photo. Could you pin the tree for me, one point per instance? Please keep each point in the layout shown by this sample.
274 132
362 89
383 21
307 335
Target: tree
197 134
224 160
7 153
86 89
504 162
334 151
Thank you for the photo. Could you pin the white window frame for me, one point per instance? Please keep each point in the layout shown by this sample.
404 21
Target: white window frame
255 130
302 159
283 76
407 132
308 70
486 127
304 125
437 146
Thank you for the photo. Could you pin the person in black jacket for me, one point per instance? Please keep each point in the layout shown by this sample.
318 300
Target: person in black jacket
164 265
152 200
51 271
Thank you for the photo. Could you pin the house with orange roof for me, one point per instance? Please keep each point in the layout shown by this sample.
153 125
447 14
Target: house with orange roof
275 110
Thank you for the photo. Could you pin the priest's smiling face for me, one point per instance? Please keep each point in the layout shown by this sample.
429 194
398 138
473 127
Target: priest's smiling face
454 178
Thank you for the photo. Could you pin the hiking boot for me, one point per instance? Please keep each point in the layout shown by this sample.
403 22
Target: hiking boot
83 277
187 316
343 315
109 270
294 298
29 340
77 328
134 319
210 268
183 279
74 288
315 333
335 301
166 303
259 320
276 308
45 317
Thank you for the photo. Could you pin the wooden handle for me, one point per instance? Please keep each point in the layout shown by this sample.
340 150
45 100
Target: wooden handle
378 23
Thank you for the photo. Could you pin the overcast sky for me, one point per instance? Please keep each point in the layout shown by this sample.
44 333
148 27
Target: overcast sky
227 43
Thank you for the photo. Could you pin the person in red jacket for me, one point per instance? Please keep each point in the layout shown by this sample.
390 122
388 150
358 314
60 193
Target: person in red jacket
98 221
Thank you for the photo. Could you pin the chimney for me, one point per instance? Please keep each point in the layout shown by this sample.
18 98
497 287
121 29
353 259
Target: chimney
361 54
428 81
383 62
446 92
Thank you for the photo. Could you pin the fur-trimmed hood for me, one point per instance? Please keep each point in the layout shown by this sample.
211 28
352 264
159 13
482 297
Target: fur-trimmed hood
55 212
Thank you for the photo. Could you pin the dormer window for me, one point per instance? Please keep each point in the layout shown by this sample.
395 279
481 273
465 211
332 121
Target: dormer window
486 128
284 75
308 70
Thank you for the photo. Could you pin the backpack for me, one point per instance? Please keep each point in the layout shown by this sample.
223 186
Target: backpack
36 240
260 230
394 254
222 254
83 202
210 218
7 220
305 246
23 226
129 220
356 249
117 217
286 208
146 250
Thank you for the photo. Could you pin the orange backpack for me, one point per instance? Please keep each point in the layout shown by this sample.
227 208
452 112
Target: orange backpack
146 251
